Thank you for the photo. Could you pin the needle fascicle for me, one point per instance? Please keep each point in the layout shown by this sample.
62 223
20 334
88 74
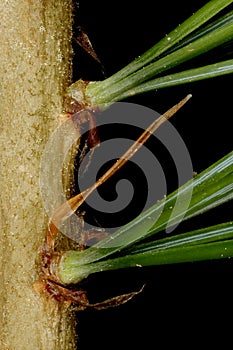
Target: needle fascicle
68 208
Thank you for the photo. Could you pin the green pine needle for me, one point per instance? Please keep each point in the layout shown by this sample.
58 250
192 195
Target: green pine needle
210 243
184 77
194 22
207 190
175 48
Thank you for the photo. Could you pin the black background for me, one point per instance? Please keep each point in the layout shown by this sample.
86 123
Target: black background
182 305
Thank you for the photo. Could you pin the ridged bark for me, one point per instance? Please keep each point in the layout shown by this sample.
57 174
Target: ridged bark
35 68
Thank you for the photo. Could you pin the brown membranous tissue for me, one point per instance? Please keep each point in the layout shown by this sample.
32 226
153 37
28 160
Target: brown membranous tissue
79 109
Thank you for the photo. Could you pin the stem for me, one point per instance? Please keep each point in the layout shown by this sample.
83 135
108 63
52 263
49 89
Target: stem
33 79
